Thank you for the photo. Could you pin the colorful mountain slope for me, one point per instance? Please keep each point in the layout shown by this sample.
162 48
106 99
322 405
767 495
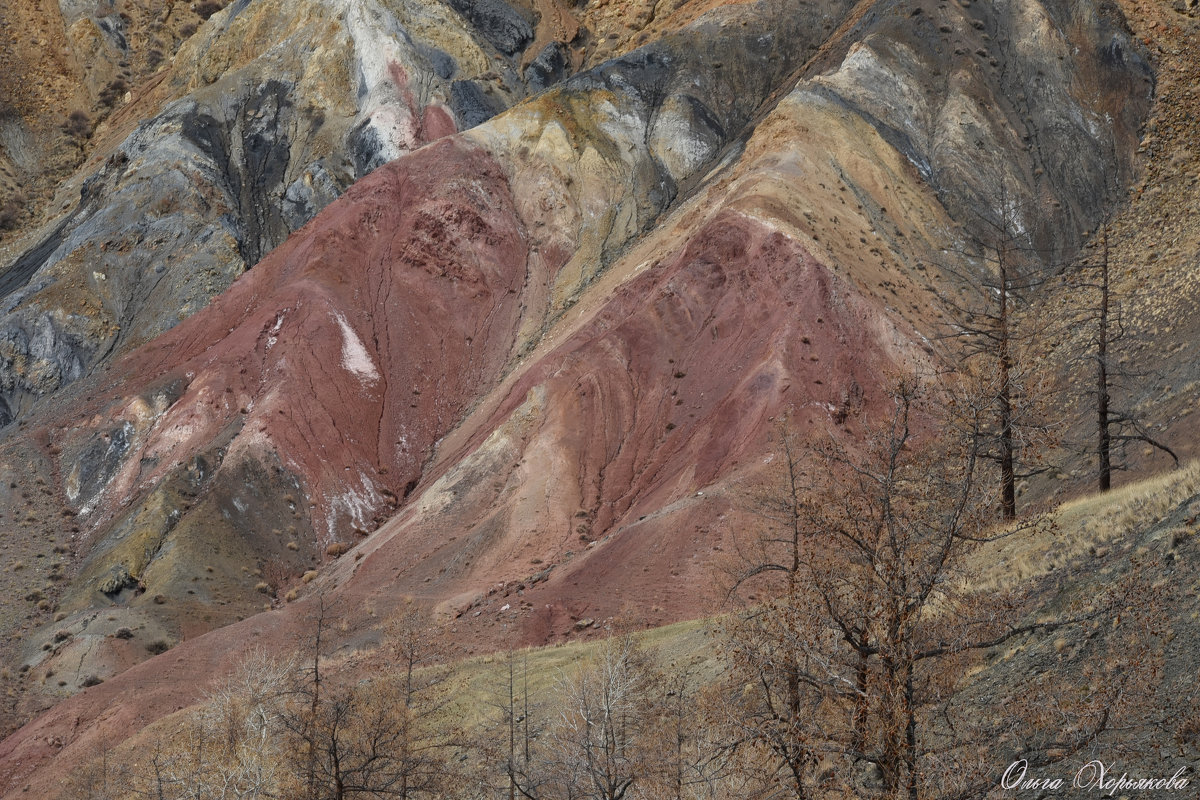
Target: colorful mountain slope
528 365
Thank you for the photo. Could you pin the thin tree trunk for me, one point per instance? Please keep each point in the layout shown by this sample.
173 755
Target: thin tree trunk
316 700
861 706
1008 484
1104 439
910 743
512 728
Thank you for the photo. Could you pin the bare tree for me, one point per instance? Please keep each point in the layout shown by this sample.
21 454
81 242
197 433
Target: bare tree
98 779
598 746
871 619
692 754
511 740
299 723
1097 305
1000 344
363 739
242 719
387 737
619 725
231 748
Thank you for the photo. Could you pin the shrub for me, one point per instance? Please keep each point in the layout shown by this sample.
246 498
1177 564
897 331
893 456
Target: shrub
10 211
78 125
110 94
207 9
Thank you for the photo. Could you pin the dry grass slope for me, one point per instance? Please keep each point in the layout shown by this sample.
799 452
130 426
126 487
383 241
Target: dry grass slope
1094 525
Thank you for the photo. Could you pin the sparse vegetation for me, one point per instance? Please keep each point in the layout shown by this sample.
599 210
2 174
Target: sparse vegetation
207 8
846 676
11 210
874 618
78 126
113 92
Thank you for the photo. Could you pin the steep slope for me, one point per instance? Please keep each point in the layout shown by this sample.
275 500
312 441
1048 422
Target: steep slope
329 372
262 117
1156 242
1153 255
64 67
794 285
554 344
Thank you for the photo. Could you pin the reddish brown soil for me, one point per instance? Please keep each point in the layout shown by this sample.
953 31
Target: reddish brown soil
644 417
618 476
357 343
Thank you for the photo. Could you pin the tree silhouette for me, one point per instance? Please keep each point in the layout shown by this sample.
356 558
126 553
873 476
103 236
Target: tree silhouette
997 342
871 620
387 737
1098 307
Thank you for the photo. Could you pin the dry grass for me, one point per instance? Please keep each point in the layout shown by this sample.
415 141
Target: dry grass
476 684
1087 524
1092 524
480 679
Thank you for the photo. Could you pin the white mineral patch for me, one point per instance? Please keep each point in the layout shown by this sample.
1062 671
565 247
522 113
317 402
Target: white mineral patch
673 141
273 338
356 505
375 48
355 357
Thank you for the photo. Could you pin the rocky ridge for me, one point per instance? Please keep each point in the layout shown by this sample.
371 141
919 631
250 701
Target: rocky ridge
264 115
